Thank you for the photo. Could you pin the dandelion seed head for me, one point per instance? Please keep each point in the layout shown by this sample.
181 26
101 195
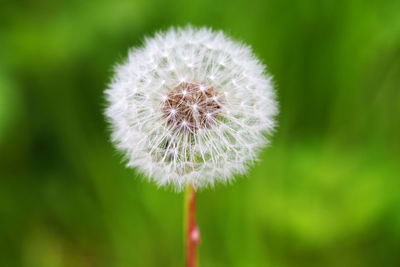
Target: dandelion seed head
191 107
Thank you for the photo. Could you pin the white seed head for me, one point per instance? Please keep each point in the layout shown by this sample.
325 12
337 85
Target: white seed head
191 107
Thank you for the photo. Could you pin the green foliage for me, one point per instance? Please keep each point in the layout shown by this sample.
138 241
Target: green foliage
326 193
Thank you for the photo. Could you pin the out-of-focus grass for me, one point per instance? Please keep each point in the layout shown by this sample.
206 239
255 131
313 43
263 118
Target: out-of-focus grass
326 193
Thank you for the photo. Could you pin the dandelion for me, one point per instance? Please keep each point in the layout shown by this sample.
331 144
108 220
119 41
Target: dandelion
191 108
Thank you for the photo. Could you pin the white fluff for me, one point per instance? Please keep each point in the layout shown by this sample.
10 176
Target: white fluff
203 156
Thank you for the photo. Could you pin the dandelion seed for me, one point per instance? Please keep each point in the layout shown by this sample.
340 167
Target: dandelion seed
193 123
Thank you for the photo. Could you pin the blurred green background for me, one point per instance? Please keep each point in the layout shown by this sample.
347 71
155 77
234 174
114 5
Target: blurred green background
326 193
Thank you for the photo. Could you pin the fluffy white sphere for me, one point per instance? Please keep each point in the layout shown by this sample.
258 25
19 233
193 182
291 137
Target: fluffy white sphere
191 107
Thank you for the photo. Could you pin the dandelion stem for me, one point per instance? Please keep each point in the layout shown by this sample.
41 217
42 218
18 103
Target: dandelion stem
191 232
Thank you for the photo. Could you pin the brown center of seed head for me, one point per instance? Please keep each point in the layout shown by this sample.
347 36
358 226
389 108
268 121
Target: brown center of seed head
190 107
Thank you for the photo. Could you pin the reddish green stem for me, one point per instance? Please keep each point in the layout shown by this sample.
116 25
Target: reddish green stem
191 231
